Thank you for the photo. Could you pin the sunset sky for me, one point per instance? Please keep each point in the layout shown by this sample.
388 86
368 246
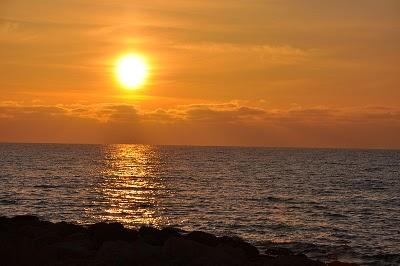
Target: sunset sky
298 73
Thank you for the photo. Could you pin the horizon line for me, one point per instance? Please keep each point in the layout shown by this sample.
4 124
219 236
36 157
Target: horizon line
214 145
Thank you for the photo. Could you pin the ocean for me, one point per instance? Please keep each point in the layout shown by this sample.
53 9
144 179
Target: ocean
331 204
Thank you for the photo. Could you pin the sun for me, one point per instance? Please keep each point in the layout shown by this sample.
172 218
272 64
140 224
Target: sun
131 71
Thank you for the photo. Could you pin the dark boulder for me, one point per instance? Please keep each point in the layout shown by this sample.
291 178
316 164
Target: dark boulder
26 240
249 250
20 250
294 260
115 253
225 254
154 236
183 250
47 239
278 251
262 260
145 252
204 238
111 232
24 220
168 232
151 235
338 263
64 229
78 236
3 223
32 231
82 248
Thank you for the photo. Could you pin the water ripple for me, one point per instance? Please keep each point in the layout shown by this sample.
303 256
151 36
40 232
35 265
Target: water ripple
329 204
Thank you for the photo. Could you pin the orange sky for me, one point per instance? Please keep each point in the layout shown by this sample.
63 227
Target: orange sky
245 72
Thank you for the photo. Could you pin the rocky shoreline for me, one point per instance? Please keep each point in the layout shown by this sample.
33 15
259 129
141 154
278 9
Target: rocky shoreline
27 240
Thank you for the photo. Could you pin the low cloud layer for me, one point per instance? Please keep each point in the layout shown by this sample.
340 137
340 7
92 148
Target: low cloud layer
202 124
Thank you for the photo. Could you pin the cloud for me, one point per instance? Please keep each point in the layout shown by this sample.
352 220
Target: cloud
8 26
283 54
11 32
228 123
163 116
226 113
18 111
95 112
117 113
215 112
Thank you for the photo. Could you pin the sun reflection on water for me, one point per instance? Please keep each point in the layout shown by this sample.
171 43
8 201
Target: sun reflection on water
131 184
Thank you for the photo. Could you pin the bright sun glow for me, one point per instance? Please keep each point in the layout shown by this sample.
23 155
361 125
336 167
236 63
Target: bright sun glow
131 71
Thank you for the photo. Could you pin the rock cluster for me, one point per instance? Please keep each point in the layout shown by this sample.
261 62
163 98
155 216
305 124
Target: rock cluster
27 240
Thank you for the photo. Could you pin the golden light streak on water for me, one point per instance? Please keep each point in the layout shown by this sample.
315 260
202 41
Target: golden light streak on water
131 186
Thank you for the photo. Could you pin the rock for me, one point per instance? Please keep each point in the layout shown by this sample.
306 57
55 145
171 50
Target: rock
168 232
338 263
32 231
249 250
74 249
22 250
3 223
26 240
78 236
222 254
151 235
64 229
144 251
294 260
24 220
11 249
47 239
155 236
40 234
203 237
278 251
182 249
111 232
115 253
213 261
262 260
125 253
229 255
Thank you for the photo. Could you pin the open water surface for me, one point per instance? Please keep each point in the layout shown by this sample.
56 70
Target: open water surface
328 203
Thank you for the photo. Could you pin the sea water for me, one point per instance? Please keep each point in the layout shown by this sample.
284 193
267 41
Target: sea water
331 204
